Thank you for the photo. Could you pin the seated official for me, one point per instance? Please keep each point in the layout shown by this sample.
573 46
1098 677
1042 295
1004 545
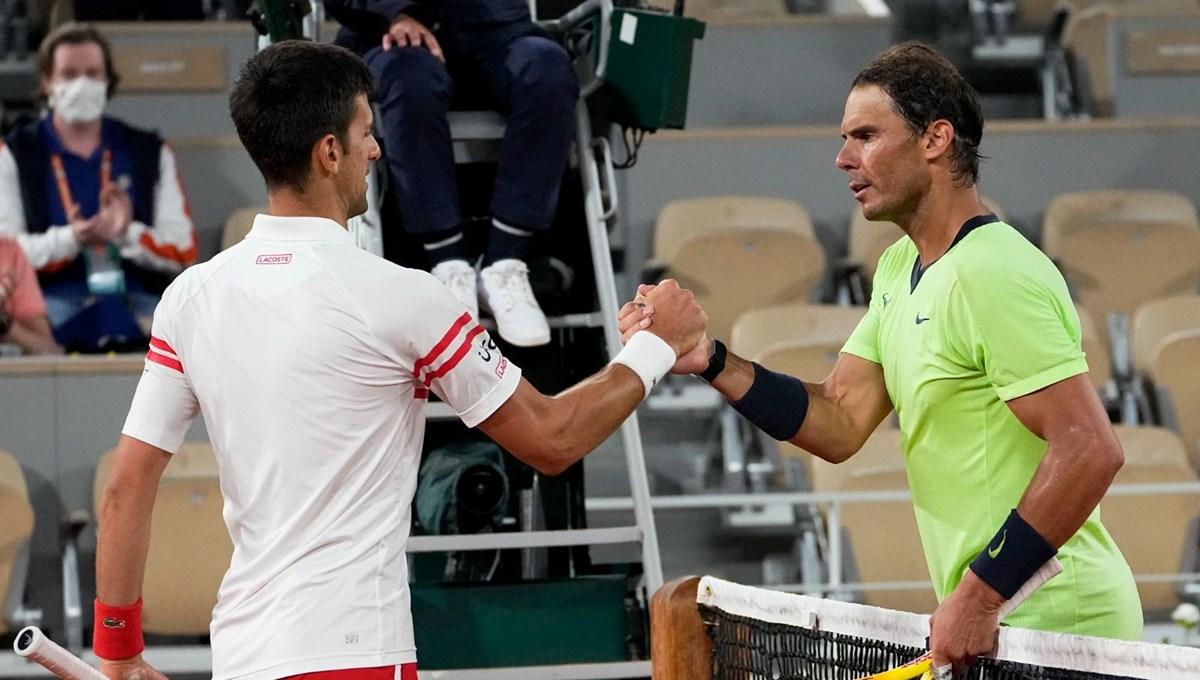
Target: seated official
22 310
426 55
96 204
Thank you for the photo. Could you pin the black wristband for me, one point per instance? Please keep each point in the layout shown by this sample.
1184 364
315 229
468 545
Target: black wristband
6 322
1012 557
776 403
716 363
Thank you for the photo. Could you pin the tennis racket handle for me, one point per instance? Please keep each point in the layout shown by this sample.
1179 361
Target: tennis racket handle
1049 570
31 643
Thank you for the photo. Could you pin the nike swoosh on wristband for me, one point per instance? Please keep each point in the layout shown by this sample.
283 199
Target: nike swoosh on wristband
993 552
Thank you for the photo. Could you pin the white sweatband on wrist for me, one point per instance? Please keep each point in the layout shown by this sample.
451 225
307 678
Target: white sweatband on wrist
647 355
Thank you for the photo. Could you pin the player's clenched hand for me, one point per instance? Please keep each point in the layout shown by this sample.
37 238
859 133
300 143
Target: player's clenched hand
638 315
130 669
678 318
964 626
408 32
634 315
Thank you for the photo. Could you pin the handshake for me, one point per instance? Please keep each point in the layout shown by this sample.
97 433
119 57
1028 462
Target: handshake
671 313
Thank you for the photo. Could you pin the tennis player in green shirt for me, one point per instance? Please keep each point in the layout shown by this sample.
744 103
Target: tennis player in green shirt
971 336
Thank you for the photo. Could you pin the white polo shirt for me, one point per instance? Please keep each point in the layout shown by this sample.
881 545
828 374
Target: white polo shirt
311 362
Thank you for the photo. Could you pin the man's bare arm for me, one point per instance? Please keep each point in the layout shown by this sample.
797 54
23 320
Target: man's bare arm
1082 456
843 410
124 522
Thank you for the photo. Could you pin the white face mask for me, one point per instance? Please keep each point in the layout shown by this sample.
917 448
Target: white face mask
79 100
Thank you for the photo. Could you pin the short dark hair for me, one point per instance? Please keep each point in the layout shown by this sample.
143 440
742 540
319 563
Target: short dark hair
75 33
288 97
925 87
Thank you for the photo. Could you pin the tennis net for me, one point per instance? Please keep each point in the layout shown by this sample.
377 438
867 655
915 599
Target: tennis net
762 634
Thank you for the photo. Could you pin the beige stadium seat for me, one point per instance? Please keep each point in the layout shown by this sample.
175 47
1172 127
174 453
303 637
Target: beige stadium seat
1089 38
1094 347
1118 266
1082 210
739 253
1176 369
883 550
1155 320
868 240
769 329
189 545
238 225
1152 455
16 529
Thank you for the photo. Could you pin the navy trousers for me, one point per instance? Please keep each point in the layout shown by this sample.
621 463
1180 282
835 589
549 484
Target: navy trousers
524 74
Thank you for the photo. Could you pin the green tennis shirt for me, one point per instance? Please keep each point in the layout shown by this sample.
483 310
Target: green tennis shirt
989 321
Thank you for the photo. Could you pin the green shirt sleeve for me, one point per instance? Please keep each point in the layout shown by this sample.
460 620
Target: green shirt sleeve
864 341
1017 323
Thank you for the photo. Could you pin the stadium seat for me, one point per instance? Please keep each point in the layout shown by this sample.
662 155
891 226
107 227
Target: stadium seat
187 536
15 533
881 550
1089 38
1152 455
1081 210
1176 370
768 330
1155 320
739 253
238 225
1115 267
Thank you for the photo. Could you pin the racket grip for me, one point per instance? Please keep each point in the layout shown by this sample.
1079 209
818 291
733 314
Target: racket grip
31 643
1047 571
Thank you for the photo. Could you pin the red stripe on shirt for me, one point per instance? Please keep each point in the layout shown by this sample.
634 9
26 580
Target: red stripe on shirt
163 360
455 358
161 344
442 344
420 393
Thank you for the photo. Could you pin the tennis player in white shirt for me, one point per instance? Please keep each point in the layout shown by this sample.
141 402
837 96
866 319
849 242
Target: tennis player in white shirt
311 362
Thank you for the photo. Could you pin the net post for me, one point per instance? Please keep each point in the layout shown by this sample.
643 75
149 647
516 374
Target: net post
680 649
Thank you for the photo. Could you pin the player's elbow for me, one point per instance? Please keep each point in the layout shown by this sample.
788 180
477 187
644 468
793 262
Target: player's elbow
552 459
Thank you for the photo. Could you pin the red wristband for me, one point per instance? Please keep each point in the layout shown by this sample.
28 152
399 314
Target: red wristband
117 631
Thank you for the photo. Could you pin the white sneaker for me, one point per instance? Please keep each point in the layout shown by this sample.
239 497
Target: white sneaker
504 291
459 277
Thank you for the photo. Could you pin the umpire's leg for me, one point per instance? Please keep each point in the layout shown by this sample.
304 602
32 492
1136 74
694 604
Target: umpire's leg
532 77
413 96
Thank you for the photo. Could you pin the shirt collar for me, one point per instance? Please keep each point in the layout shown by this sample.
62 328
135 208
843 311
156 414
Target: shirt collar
273 228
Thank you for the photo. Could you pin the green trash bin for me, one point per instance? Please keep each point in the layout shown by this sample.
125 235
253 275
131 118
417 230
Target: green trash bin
649 68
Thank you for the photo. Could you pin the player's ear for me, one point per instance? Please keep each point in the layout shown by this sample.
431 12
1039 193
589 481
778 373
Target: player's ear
327 154
939 136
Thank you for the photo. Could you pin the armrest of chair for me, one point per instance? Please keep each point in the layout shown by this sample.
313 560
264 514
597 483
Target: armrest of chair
72 526
589 10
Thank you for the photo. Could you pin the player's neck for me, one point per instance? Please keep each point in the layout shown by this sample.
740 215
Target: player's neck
313 202
80 138
938 218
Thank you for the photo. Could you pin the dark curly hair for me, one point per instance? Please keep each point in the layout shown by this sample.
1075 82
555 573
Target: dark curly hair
925 87
288 97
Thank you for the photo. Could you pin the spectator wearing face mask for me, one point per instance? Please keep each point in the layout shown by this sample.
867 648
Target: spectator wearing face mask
96 204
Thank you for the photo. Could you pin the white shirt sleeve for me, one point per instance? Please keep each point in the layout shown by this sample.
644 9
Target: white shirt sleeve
169 245
164 404
448 352
53 248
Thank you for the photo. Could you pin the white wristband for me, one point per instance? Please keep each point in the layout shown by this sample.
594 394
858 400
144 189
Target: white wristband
647 355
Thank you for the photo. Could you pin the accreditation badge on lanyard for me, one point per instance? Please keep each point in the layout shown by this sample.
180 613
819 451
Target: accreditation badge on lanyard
104 273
